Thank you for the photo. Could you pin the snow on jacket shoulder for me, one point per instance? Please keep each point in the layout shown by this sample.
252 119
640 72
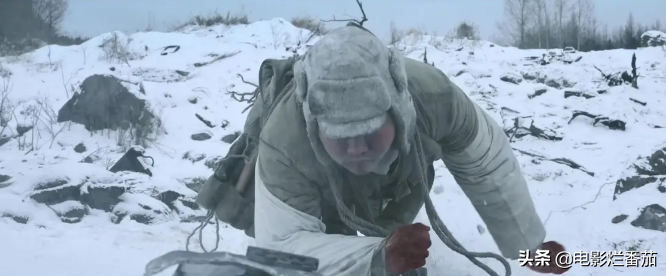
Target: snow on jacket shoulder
292 192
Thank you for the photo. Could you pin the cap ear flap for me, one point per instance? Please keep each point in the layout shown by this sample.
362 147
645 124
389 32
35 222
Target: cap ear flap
397 69
300 81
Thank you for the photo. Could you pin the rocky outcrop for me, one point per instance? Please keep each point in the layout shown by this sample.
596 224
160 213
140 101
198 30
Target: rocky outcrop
647 172
105 102
125 195
653 39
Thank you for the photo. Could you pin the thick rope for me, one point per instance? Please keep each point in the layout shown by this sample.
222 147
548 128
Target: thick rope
369 229
248 160
199 229
365 227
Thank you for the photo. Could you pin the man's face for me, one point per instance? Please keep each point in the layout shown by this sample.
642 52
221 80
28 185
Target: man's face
361 154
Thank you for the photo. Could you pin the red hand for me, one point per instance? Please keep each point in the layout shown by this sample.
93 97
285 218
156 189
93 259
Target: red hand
407 248
554 249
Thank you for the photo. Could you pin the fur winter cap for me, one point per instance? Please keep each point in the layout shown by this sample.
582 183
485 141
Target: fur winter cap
349 82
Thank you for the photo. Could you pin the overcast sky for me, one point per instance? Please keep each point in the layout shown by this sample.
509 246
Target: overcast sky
93 17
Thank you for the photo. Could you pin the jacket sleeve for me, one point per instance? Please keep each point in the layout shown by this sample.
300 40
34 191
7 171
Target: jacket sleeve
280 225
477 152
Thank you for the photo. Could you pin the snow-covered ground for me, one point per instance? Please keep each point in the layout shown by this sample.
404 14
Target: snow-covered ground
576 207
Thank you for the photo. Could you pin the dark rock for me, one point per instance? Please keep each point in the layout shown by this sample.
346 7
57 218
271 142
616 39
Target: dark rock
544 79
619 218
192 100
198 219
529 76
3 179
201 136
56 191
142 209
105 103
130 162
70 211
182 73
581 94
195 183
140 218
553 84
653 217
4 140
80 148
56 195
51 183
194 157
168 197
102 196
16 218
21 129
538 92
646 170
171 198
230 138
653 39
511 78
190 203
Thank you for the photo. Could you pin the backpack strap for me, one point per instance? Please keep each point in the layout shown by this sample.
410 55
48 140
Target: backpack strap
274 76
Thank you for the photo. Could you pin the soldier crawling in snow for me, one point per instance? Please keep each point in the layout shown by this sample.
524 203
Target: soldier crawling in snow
344 140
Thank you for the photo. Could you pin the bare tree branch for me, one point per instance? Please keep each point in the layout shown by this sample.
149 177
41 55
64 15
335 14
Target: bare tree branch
246 82
359 22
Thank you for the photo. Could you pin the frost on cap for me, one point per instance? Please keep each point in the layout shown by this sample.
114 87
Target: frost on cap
350 88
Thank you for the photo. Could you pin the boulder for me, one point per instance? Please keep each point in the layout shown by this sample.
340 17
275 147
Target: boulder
17 218
201 136
569 50
141 208
15 208
104 102
512 78
194 157
130 162
80 148
4 180
102 196
5 140
554 82
619 218
57 190
178 202
646 170
70 211
653 39
652 217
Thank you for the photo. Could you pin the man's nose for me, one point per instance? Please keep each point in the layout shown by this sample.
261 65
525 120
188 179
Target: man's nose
356 145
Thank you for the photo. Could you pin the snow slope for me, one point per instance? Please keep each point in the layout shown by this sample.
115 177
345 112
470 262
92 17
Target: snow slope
576 207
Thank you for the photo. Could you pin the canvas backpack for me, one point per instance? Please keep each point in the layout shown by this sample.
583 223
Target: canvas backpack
230 190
